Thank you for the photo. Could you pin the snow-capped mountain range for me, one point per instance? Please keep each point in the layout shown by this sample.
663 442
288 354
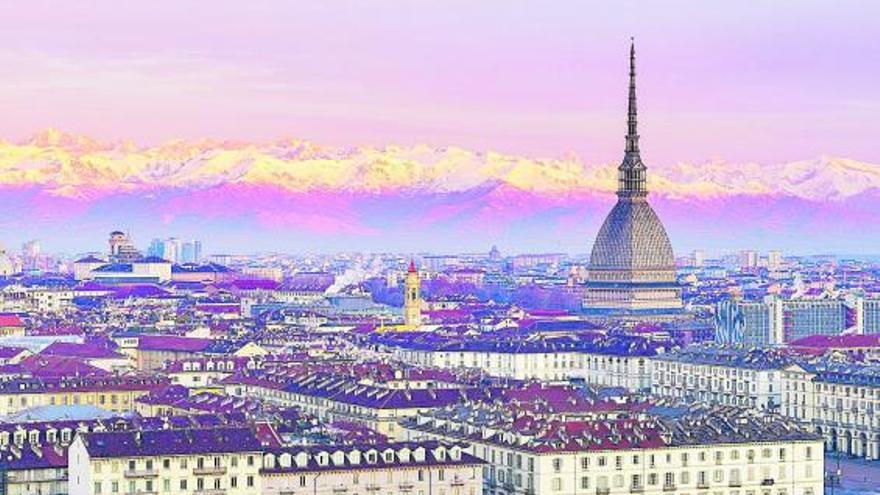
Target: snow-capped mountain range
415 193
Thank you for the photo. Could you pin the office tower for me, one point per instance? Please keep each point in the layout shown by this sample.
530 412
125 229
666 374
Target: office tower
748 258
774 259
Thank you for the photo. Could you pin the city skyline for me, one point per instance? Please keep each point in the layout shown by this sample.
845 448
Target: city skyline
447 248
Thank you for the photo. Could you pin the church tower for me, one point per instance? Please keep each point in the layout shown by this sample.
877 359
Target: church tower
412 299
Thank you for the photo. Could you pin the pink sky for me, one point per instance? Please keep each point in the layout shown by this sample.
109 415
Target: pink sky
746 81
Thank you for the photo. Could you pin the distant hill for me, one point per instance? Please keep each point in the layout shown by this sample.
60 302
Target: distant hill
298 195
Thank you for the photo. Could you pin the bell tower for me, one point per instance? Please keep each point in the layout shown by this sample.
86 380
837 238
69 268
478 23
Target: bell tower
412 299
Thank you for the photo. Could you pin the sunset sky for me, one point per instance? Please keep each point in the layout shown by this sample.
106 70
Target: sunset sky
744 81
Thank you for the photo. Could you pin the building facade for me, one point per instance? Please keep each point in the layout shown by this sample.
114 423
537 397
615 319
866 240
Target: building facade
840 402
407 468
206 461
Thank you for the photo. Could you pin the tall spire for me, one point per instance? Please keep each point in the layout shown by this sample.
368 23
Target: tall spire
632 134
631 175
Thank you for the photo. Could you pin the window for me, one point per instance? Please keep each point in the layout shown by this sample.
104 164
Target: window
114 487
557 465
557 484
585 482
97 487
183 485
166 463
250 481
233 482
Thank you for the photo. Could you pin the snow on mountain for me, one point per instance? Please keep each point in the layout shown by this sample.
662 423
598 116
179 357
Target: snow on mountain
68 164
300 195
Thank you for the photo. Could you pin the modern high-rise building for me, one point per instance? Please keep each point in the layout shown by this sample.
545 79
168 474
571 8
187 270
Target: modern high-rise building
176 250
632 266
774 259
698 258
775 321
748 258
751 323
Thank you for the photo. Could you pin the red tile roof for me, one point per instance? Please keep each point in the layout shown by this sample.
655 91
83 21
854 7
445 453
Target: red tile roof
10 320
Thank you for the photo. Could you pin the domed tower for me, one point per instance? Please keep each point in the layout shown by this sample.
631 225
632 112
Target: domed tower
412 299
632 266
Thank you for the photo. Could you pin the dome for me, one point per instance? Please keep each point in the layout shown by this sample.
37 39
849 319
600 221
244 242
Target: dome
632 238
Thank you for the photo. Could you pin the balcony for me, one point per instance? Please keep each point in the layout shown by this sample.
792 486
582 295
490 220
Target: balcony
768 482
140 473
406 486
210 491
735 484
603 491
703 485
373 487
209 471
669 488
636 489
457 481
340 488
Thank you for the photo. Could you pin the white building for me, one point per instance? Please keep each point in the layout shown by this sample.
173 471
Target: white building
716 375
611 361
223 460
840 402
725 451
406 468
